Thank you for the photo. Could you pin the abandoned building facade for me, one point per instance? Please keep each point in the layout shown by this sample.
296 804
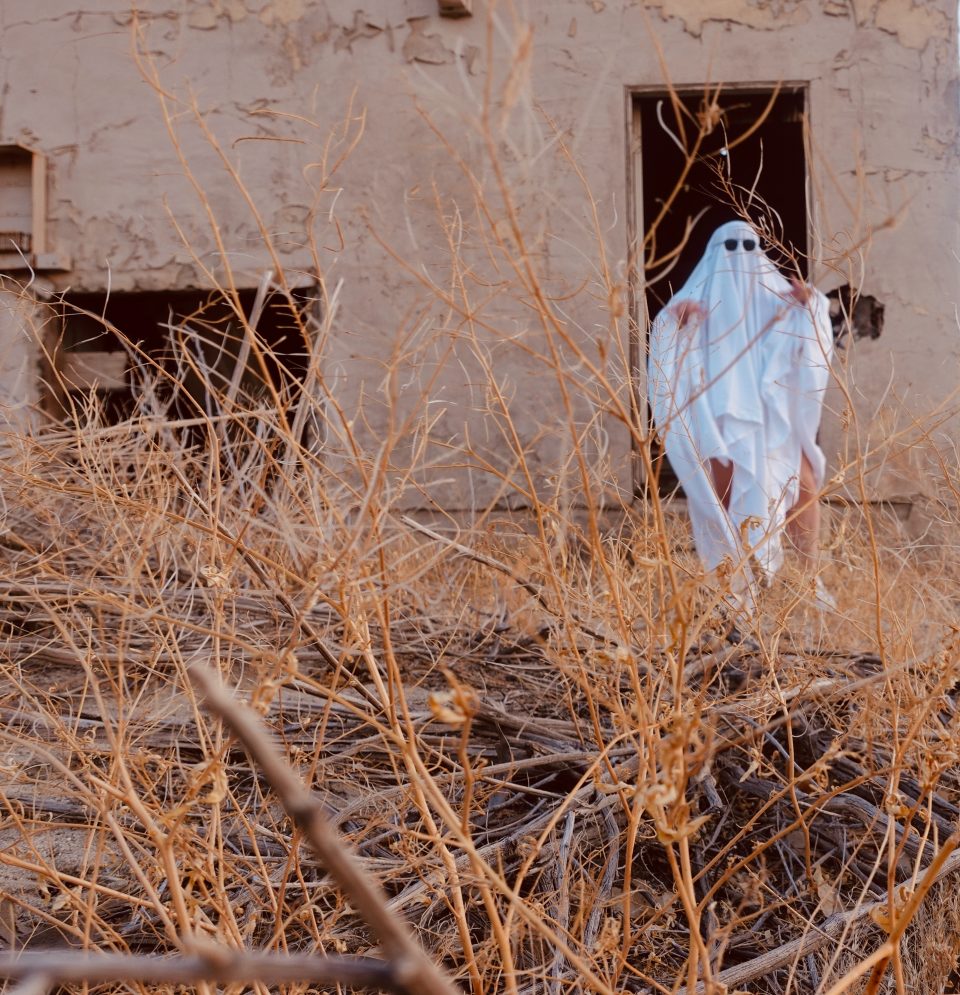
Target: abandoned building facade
389 165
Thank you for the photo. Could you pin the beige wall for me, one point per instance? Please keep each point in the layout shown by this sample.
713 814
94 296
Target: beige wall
275 79
22 326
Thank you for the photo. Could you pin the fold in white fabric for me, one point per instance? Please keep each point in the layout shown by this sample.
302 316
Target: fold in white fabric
743 383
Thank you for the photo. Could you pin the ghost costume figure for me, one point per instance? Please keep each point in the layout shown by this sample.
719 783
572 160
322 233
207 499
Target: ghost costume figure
738 365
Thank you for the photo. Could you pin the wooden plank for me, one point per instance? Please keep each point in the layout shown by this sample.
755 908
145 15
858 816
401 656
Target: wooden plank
83 371
456 8
39 196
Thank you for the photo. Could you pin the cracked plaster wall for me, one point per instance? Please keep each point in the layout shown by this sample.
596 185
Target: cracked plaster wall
273 78
21 325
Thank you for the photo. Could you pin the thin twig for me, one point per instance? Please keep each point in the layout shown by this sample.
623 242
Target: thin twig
829 929
216 965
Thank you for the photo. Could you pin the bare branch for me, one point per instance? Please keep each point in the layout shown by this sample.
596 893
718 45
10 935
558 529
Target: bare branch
219 965
410 965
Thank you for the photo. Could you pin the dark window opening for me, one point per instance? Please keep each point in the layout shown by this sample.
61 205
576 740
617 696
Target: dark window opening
189 346
750 163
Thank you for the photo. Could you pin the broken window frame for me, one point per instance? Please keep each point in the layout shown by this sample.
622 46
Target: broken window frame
105 369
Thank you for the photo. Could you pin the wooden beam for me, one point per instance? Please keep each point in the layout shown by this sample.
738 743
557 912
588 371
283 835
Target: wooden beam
39 193
83 371
456 8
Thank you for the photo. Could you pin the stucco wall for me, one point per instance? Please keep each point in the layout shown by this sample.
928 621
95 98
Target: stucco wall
22 326
285 85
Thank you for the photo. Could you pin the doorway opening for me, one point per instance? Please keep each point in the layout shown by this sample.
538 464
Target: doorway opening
700 158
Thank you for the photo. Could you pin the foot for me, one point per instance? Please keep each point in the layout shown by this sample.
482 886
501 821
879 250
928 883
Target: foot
822 598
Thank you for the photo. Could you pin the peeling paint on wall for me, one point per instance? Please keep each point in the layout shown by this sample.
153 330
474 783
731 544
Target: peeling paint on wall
422 46
205 14
765 14
864 10
914 22
283 11
360 29
202 18
915 25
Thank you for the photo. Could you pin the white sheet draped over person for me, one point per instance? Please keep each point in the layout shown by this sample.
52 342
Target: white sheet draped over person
738 365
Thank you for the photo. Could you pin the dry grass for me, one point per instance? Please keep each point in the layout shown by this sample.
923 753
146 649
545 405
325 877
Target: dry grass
532 728
528 741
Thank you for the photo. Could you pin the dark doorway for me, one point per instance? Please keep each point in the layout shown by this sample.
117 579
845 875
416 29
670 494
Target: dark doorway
745 158
189 344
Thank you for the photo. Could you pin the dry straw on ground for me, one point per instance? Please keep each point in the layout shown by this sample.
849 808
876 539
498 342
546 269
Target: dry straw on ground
532 730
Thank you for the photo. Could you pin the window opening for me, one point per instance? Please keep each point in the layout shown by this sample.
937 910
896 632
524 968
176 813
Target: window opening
166 328
23 204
